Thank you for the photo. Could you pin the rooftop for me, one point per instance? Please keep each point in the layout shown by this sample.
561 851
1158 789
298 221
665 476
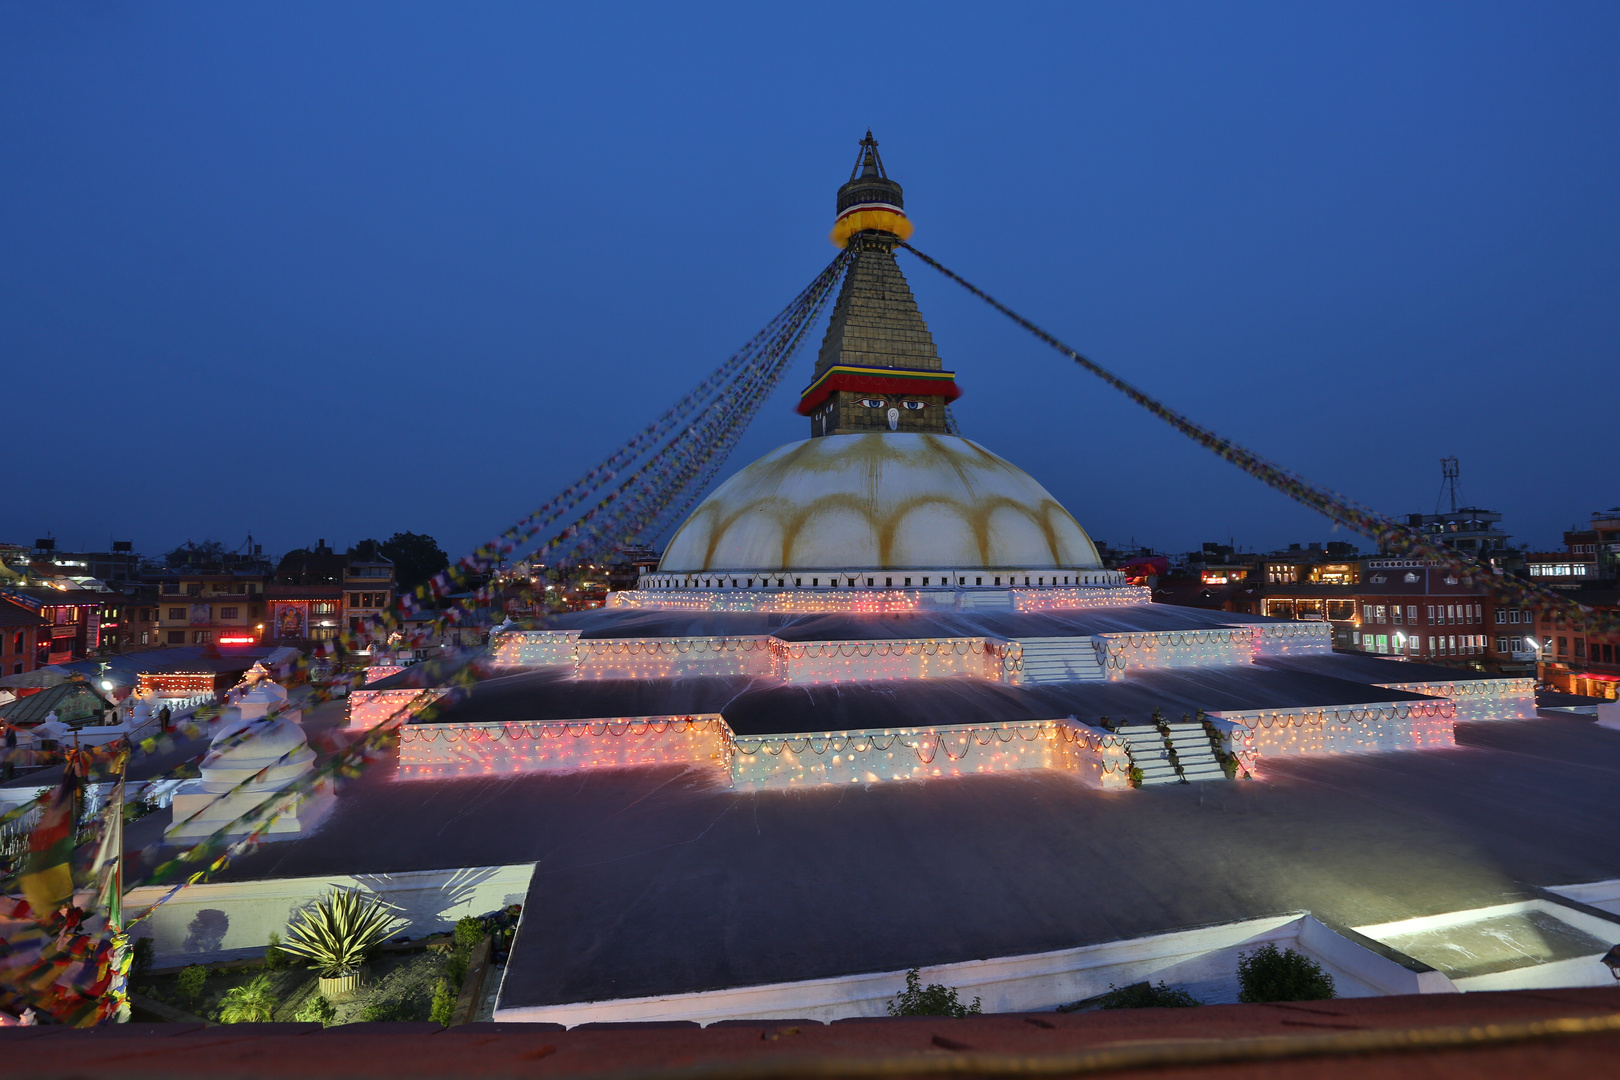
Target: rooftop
664 880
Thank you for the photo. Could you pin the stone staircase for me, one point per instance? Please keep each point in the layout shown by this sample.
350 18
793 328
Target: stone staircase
1194 754
1060 659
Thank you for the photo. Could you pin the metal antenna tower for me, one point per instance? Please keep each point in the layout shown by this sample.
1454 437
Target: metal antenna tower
1448 483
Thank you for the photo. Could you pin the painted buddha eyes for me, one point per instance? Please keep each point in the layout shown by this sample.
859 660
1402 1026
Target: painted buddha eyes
915 404
873 403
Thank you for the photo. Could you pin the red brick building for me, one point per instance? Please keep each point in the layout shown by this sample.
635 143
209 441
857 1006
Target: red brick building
19 637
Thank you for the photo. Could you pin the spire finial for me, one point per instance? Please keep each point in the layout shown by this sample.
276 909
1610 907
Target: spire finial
870 202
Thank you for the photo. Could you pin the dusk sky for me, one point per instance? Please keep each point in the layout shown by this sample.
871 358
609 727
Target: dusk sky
340 270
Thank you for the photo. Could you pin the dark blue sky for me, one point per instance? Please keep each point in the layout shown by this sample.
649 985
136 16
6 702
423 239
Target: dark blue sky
336 270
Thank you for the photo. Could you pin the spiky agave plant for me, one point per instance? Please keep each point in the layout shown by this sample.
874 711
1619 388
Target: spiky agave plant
337 933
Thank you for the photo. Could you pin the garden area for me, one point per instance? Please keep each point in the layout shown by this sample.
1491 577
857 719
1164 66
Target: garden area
336 967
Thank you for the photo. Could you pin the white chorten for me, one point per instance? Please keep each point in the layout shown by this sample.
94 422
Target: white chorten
264 756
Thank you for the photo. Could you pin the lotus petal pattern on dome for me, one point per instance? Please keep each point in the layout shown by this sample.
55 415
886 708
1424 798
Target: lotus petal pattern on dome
890 501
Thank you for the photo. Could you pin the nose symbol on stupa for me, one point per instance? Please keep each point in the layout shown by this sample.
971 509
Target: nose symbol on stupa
894 419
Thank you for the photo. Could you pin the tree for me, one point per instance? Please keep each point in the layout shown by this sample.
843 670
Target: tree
207 553
416 558
935 999
1269 975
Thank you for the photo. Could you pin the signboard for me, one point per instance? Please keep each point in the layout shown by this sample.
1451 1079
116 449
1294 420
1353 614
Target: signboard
200 615
290 620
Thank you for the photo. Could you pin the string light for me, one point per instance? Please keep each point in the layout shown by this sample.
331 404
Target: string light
1347 729
1480 699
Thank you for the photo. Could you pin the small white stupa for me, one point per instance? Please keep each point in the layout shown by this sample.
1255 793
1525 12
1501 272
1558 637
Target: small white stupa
270 753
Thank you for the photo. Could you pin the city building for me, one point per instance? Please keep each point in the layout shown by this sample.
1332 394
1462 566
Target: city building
20 629
202 607
306 596
368 586
72 617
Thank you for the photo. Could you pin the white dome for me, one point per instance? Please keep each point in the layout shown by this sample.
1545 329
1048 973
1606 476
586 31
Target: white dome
879 501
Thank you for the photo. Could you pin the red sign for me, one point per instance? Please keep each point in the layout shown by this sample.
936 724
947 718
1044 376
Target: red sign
238 639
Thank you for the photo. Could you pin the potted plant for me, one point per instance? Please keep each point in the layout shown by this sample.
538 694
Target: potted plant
336 935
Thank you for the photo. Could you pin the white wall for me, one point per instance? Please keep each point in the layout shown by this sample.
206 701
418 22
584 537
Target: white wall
1202 961
210 921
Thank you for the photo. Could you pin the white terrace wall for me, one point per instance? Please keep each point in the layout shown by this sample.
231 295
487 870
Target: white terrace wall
1203 961
864 661
1293 639
782 761
1480 699
1346 729
1221 647
533 648
441 750
368 708
216 921
667 658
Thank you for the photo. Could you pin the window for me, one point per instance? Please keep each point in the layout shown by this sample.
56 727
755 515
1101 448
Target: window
171 588
1395 614
201 637
1366 613
177 637
1580 648
17 643
194 588
1501 617
1411 614
227 612
324 607
1378 613
1431 614
177 614
354 599
1563 645
143 637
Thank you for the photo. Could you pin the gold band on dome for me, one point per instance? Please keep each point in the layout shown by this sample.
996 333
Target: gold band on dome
861 218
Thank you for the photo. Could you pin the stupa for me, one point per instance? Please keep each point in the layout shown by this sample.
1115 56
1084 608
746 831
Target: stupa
887 599
881 707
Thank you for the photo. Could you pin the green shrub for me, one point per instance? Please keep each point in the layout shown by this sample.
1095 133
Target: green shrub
1144 995
386 1010
254 1003
455 968
340 931
934 999
141 963
469 932
275 957
191 982
317 1010
1269 975
444 1003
